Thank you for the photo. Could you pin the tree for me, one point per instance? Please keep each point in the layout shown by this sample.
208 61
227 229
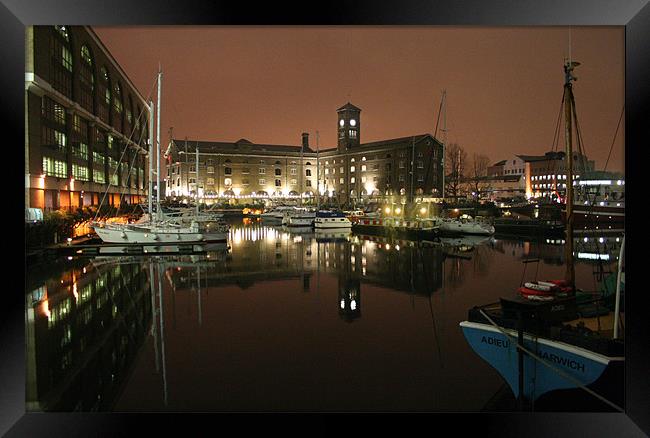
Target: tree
477 180
455 162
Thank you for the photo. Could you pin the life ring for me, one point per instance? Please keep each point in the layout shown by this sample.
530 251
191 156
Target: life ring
551 288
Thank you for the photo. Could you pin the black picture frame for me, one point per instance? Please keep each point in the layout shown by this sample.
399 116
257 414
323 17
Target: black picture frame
633 14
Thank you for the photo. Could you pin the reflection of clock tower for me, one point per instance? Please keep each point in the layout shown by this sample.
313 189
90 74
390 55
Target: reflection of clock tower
349 126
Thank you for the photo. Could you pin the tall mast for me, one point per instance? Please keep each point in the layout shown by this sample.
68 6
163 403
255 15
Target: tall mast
317 174
568 103
302 170
158 144
412 168
196 187
444 138
151 155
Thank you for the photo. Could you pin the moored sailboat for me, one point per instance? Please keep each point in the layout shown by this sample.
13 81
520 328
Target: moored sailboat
157 229
542 340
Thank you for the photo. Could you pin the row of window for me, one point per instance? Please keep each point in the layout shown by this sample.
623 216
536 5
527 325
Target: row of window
550 177
59 169
108 96
245 182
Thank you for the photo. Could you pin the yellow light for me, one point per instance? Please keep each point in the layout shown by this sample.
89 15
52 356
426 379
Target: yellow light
45 308
423 210
398 210
387 210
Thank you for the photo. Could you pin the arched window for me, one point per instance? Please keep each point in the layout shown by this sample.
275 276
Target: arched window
118 106
104 95
61 60
87 80
128 126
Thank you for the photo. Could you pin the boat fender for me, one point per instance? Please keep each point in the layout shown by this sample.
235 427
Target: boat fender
524 291
155 237
123 235
200 236
539 287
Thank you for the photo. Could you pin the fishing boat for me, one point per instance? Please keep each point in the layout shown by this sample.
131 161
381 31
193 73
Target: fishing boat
157 228
544 339
331 219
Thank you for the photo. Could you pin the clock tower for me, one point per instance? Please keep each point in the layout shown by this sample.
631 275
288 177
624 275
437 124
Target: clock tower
349 127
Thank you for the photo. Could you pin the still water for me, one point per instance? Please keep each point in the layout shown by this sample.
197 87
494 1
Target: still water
280 320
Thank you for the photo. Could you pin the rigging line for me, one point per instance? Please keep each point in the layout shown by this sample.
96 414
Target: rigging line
108 186
592 204
435 132
435 331
548 365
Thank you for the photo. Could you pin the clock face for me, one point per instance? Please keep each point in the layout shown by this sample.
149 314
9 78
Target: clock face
353 122
341 122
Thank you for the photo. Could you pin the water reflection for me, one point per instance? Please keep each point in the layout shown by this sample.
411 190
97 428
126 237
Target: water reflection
90 320
84 328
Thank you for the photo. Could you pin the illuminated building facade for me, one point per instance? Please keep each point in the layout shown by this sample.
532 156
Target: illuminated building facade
86 125
546 174
352 172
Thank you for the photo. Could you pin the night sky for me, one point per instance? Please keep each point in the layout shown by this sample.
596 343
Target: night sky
270 84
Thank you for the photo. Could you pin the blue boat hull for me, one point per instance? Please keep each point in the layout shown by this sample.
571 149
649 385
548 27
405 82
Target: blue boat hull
500 351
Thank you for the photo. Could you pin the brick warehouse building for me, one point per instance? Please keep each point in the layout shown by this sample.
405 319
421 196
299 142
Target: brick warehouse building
82 113
353 171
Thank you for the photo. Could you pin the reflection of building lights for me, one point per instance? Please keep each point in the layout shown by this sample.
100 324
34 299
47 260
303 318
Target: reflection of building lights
353 304
591 256
387 247
397 247
342 304
45 308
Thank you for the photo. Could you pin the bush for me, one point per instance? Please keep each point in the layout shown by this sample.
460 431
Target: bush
56 224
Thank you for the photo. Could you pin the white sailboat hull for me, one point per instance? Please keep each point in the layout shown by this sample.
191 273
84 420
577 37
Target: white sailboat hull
332 223
466 228
156 235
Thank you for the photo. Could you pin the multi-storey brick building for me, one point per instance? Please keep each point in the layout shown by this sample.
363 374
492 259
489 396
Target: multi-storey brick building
86 125
353 171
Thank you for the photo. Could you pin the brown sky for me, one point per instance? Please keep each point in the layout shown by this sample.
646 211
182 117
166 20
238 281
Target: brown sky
269 84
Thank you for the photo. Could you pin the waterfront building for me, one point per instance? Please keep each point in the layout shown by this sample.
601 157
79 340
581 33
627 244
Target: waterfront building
504 188
544 176
352 172
496 169
86 124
